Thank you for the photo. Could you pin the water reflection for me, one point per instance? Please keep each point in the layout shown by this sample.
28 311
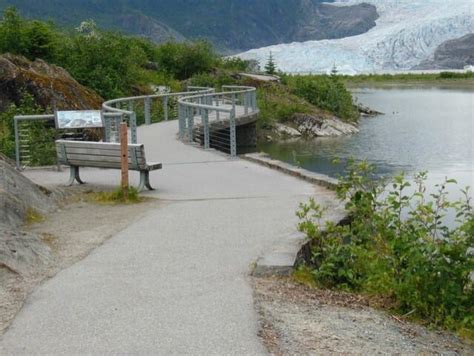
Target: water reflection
422 129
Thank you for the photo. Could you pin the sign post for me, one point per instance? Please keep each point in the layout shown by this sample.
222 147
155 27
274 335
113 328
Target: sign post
124 158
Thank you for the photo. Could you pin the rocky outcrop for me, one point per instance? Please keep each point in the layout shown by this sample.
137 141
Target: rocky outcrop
317 126
50 85
20 198
452 54
286 131
310 126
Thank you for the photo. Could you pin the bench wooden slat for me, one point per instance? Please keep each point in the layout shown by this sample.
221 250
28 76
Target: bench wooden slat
99 158
97 145
101 152
80 163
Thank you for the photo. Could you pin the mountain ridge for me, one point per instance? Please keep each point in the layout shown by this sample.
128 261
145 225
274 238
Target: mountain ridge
232 26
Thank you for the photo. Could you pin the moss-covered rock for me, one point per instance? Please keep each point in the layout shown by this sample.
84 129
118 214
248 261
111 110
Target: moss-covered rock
50 85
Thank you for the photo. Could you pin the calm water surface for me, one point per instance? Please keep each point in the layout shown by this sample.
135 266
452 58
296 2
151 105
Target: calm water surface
422 129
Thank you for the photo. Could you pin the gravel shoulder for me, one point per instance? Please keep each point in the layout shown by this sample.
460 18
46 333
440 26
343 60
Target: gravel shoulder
67 235
297 320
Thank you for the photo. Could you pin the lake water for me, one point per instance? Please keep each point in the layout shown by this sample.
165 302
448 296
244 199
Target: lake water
422 129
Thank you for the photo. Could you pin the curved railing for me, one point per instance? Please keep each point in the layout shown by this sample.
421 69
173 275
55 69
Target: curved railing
114 111
212 118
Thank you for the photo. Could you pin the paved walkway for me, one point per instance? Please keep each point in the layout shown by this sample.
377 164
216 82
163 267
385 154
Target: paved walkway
176 281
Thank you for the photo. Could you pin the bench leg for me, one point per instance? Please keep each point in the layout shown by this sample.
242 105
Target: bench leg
74 175
144 181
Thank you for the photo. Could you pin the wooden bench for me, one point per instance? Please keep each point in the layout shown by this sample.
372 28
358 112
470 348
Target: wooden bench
103 155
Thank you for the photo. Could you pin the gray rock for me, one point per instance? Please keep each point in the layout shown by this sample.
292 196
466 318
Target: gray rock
287 131
314 126
22 252
19 196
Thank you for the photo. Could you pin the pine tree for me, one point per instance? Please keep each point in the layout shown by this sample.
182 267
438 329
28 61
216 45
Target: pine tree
270 67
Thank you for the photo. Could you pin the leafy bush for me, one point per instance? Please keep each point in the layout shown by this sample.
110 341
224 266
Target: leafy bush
32 39
398 245
212 80
183 60
326 92
278 104
234 64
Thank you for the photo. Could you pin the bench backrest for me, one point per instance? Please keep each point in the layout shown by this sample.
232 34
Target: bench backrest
99 154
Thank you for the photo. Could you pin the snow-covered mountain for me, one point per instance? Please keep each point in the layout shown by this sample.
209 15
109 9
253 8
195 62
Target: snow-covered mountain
407 33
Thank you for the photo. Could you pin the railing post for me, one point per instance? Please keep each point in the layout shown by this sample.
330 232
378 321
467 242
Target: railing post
205 120
118 121
233 135
165 107
180 121
233 102
147 111
107 128
133 127
130 105
17 144
246 102
190 124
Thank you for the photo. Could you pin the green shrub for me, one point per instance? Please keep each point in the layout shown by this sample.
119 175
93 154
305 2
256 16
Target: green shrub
326 92
278 104
32 39
234 64
398 246
213 80
183 60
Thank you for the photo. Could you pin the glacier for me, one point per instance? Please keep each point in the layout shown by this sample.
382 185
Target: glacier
406 33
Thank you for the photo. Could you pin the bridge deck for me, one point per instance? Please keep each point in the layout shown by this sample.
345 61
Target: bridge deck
176 281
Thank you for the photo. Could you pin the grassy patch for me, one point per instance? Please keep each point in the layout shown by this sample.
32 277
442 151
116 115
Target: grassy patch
443 78
33 217
304 276
116 197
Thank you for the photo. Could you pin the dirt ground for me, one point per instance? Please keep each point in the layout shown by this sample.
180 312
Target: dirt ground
298 320
71 233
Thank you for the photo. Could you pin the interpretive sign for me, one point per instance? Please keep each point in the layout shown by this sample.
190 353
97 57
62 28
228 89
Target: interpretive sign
78 119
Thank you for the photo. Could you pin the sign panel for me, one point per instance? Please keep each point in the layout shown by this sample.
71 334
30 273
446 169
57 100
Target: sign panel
78 119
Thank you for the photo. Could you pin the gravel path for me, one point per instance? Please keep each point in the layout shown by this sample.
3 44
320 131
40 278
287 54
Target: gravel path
296 320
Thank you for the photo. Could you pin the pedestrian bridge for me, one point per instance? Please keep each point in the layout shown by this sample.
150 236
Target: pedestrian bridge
224 120
221 120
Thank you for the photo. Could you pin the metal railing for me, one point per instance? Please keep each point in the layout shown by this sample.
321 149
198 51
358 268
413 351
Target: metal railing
211 118
147 105
205 116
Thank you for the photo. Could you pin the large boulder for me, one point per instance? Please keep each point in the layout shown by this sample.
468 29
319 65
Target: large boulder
317 126
20 197
50 85
21 252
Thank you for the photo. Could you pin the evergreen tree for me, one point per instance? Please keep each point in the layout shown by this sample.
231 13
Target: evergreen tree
270 67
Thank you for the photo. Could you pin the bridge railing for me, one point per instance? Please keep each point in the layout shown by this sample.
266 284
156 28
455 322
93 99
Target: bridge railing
211 118
144 109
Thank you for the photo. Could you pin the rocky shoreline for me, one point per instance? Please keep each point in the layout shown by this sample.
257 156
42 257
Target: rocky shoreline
301 125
